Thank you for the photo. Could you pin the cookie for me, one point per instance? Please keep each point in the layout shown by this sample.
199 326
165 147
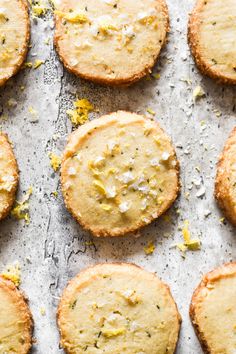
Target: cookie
225 185
118 308
211 35
113 42
119 173
8 176
14 37
16 323
213 310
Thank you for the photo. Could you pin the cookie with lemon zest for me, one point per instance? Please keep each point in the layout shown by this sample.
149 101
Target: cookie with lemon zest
225 184
13 273
133 311
21 209
119 173
16 323
114 43
14 37
55 161
79 115
213 310
9 176
211 35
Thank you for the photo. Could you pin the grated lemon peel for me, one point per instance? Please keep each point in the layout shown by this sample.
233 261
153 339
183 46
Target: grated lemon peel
79 115
113 332
106 207
34 115
156 76
78 17
21 210
39 8
13 273
38 63
42 311
150 111
55 194
188 244
131 297
32 111
198 92
28 64
89 243
217 113
93 168
55 161
105 28
149 248
100 187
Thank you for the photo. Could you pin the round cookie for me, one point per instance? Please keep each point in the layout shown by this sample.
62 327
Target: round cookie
213 310
118 308
212 38
119 173
225 185
16 323
8 176
14 37
114 42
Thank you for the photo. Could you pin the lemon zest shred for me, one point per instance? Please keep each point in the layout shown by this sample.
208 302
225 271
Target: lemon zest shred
198 92
89 243
147 20
188 244
182 247
106 207
32 111
21 209
13 273
100 187
55 161
28 64
156 76
38 63
42 311
113 332
149 248
157 140
105 28
39 8
131 297
150 111
79 115
186 232
73 18
93 168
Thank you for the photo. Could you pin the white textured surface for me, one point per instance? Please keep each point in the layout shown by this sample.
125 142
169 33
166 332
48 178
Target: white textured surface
57 246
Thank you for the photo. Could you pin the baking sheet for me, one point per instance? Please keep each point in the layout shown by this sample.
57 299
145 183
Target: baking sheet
53 248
